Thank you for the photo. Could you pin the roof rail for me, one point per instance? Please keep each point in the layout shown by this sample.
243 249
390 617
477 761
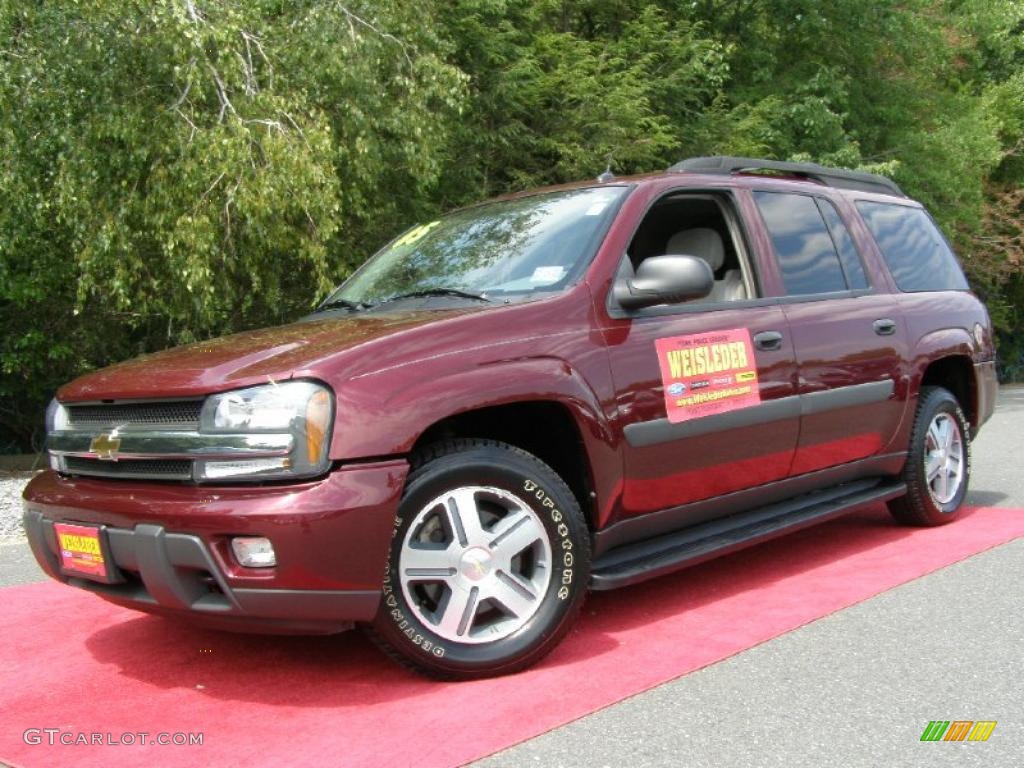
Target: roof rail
831 177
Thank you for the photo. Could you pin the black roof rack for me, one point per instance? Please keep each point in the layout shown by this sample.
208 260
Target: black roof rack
832 177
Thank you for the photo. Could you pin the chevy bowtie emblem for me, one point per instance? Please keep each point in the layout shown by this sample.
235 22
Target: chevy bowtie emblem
105 446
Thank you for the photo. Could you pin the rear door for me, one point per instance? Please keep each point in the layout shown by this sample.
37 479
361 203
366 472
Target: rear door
847 335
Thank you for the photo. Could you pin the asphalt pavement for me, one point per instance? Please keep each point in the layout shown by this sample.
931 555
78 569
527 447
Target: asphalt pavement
855 688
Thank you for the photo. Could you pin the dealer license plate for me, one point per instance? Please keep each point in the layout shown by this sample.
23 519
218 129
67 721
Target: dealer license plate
81 551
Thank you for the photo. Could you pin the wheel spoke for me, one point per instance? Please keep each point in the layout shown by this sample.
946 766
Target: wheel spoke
947 433
516 533
430 562
516 597
943 483
955 472
932 466
458 611
465 517
935 435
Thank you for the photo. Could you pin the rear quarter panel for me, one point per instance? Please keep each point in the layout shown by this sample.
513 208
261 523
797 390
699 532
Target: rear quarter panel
940 325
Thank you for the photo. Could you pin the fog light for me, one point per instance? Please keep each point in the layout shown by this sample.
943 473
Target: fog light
214 470
254 551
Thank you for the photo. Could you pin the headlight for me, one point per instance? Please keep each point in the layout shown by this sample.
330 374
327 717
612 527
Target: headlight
303 409
56 421
56 417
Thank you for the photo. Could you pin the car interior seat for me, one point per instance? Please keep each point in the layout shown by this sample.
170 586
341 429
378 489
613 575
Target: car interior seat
707 244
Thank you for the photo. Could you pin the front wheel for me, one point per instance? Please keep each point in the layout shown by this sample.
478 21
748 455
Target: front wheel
489 562
938 463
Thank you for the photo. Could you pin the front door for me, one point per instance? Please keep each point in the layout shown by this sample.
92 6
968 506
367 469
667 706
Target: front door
736 442
706 390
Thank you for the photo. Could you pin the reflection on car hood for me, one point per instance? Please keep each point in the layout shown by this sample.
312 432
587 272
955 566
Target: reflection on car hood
244 359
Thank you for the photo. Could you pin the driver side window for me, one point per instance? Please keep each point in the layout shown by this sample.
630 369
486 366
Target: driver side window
701 226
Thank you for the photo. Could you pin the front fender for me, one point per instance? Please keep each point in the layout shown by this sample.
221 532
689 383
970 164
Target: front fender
384 417
379 418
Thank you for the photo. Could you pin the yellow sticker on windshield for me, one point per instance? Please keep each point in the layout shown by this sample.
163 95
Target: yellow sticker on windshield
415 234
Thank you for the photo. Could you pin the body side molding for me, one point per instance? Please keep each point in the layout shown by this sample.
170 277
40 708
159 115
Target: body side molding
656 431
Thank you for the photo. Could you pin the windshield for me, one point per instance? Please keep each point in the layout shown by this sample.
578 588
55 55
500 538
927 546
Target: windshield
495 250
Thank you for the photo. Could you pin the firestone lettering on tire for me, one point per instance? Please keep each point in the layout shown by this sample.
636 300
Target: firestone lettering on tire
561 528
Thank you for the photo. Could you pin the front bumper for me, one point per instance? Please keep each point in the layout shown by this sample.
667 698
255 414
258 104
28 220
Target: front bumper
171 545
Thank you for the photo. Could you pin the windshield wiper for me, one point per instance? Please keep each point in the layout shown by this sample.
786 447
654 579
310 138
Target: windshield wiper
355 306
437 292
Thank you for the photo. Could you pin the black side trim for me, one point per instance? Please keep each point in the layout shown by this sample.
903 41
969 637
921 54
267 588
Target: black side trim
658 431
846 397
646 560
676 518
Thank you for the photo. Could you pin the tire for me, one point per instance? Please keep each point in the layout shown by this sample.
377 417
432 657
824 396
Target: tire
938 466
465 599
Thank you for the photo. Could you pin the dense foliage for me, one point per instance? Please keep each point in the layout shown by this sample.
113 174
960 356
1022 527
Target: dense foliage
177 169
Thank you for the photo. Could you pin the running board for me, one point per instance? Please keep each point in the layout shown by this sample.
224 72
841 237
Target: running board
644 560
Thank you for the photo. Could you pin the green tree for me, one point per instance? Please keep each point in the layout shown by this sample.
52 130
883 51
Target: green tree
177 169
557 90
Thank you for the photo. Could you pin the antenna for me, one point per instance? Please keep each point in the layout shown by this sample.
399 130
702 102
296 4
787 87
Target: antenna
607 175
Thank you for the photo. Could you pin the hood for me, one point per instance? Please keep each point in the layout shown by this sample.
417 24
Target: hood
244 359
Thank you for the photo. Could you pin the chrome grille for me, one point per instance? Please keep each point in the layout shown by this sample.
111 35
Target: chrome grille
139 469
180 413
151 440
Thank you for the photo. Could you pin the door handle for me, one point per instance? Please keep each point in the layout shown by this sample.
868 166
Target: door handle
769 341
884 326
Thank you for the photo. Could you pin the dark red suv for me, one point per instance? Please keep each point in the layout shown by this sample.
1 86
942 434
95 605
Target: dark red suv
568 389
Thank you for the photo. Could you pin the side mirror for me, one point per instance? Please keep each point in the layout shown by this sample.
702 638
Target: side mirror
665 280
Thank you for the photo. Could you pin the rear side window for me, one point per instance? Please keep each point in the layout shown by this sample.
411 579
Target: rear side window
848 254
807 256
917 254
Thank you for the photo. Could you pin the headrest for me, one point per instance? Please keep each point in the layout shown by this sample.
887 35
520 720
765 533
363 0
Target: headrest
700 241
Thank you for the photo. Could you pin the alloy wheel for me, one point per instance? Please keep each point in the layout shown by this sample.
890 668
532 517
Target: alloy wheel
944 458
475 564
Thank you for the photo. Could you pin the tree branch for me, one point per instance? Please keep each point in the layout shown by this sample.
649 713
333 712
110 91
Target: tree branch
373 28
276 124
193 13
252 41
183 96
222 94
207 192
192 125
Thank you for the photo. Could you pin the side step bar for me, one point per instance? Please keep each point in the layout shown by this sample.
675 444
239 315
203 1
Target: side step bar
644 560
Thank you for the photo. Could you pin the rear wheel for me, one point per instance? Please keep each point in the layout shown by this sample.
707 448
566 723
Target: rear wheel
938 464
489 562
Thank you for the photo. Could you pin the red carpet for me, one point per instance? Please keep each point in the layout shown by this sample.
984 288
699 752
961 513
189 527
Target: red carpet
73 662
